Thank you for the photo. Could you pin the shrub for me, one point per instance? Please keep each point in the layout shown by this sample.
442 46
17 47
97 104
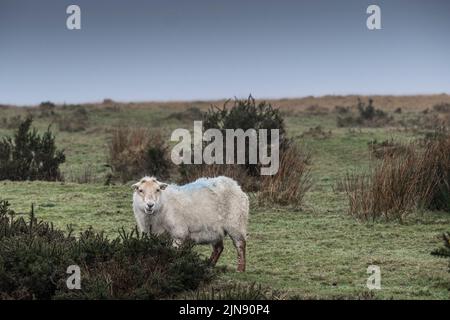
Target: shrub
444 252
158 161
369 112
368 115
136 152
290 184
46 109
34 257
29 156
246 114
287 186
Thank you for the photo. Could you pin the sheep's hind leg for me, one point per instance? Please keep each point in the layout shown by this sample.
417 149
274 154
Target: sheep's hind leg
240 245
217 251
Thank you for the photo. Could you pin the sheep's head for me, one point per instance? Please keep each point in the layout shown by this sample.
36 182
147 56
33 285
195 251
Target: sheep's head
148 193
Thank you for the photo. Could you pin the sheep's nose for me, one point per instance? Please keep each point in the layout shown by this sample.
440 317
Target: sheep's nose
150 206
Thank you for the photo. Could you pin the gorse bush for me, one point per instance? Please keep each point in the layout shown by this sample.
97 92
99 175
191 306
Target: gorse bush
368 115
368 111
158 162
29 156
444 252
34 257
46 109
246 114
137 152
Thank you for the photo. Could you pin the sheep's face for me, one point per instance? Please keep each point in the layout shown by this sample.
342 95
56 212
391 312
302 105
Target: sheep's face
148 194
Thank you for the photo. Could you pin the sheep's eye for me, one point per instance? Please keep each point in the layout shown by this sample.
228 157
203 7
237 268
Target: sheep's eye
158 190
140 190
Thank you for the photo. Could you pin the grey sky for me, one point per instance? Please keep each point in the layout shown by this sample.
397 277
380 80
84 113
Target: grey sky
207 49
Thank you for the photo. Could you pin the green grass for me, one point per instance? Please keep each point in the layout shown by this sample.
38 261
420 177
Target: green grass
316 252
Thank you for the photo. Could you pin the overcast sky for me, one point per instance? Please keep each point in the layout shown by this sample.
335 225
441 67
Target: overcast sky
206 49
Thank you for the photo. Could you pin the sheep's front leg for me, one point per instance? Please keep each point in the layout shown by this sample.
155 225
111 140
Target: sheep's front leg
217 251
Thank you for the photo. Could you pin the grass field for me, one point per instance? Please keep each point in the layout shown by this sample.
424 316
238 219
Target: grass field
317 251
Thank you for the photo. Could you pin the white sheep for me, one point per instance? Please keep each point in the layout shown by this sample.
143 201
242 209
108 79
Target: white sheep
204 211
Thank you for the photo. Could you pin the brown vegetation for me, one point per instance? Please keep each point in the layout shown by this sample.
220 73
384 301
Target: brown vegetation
399 184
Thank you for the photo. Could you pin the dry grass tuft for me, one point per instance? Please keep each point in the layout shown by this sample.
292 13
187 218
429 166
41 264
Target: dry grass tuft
398 185
135 152
290 184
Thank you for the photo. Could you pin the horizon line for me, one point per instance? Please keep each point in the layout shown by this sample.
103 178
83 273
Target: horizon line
200 100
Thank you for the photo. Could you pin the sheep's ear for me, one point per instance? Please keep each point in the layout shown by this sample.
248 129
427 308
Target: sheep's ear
135 186
163 186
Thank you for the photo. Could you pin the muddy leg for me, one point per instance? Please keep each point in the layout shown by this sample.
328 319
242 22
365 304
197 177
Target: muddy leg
217 251
240 247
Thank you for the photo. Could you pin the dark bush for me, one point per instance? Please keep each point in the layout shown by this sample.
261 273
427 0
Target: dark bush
368 111
29 156
286 187
46 109
246 114
368 115
444 252
34 257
